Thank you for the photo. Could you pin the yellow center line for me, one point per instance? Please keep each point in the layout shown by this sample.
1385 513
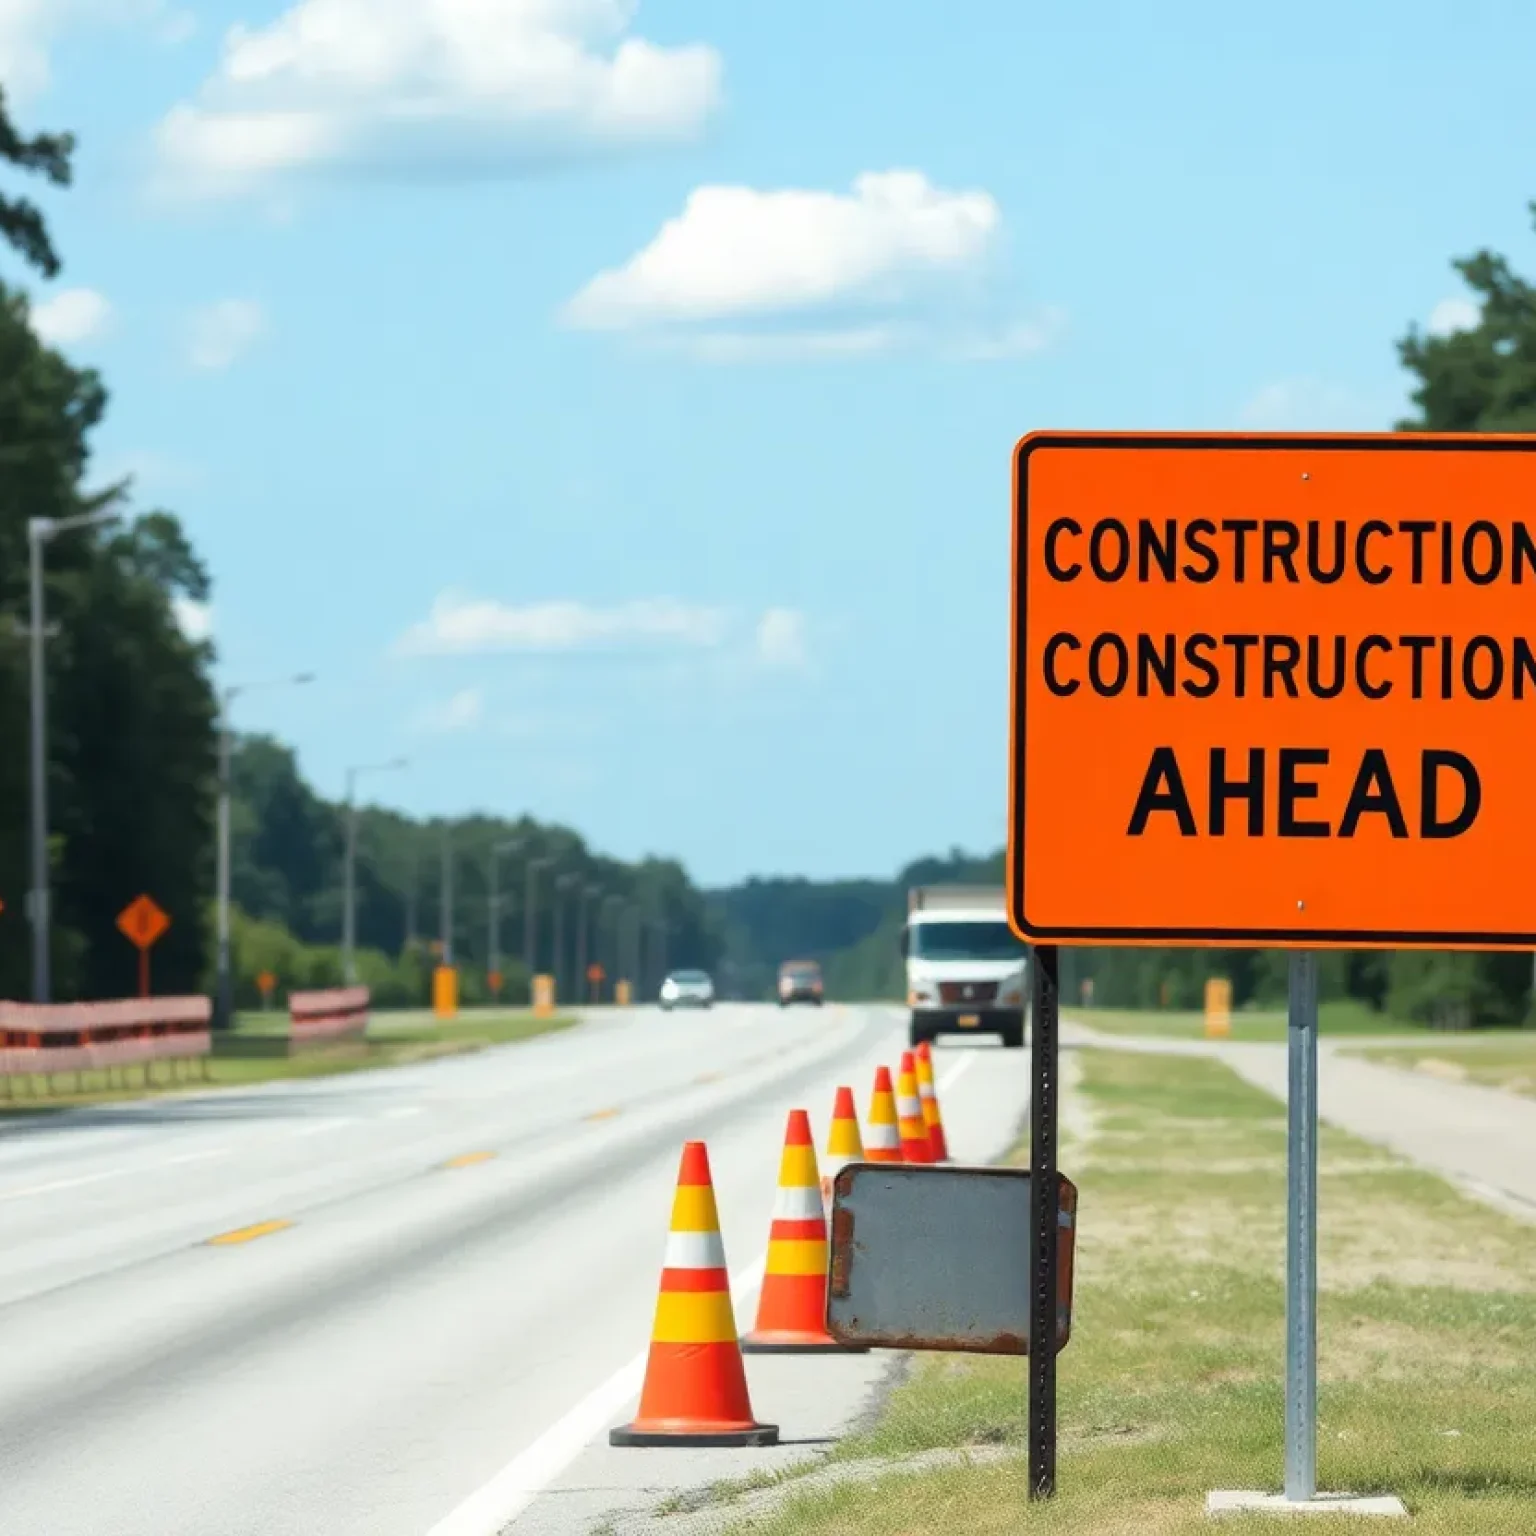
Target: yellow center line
469 1158
601 1114
250 1234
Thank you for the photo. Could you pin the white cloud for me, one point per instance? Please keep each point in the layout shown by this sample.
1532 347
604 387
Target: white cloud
781 638
195 619
1309 405
462 625
1452 315
410 84
1021 338
220 333
785 346
29 28
735 251
458 713
72 315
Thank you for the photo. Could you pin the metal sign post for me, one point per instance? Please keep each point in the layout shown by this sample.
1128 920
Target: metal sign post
1301 1234
1044 1215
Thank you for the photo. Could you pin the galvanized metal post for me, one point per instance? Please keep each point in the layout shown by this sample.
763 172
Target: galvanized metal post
1301 1235
1044 1215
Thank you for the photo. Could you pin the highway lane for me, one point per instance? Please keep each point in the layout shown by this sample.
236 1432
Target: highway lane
429 1312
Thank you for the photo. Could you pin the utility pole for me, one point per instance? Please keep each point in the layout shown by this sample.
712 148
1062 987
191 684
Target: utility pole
562 883
224 991
445 897
612 962
531 918
583 986
410 894
39 531
349 870
493 947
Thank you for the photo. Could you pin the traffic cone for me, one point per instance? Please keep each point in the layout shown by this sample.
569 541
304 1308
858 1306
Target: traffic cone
884 1144
791 1312
844 1144
909 1114
695 1390
929 1094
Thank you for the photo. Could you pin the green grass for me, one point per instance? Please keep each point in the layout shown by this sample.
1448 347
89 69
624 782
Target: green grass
1171 1384
256 1053
1338 1018
1496 1058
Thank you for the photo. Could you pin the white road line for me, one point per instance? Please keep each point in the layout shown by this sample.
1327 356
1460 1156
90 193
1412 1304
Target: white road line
318 1130
110 1173
192 1157
956 1072
529 1473
43 1189
400 1111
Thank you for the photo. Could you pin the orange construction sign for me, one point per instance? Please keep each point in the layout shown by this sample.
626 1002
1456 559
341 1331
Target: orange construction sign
265 981
1274 690
142 922
595 973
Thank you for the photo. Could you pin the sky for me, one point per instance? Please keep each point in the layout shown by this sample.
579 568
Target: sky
612 404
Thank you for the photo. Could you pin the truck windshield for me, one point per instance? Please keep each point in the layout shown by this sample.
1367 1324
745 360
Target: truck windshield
964 941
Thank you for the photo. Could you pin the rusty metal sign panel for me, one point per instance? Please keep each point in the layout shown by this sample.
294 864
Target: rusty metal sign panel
937 1257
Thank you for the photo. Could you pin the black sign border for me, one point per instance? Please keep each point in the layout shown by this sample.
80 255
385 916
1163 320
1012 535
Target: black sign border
1337 938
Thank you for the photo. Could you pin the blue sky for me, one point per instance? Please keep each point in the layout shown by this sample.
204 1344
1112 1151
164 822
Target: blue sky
612 405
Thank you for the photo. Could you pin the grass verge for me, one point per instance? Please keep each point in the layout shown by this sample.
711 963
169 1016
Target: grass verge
1503 1058
259 1055
1337 1018
1171 1385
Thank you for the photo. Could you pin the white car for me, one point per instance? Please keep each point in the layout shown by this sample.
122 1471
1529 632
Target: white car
687 989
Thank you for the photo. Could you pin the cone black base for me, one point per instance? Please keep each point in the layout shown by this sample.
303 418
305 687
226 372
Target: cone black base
759 1434
751 1346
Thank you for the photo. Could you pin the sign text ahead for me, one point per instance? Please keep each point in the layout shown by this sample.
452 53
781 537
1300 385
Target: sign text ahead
1274 690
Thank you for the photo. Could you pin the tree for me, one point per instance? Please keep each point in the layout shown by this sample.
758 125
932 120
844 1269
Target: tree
21 222
130 709
1482 379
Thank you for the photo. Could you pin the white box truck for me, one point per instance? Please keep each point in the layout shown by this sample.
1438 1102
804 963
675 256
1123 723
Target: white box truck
966 970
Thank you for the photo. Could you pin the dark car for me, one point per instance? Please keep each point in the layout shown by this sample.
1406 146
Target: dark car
799 982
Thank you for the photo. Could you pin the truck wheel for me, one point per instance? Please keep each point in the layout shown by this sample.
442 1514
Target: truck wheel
1013 1037
916 1036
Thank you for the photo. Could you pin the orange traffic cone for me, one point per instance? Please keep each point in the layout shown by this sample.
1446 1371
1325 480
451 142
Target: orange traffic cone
929 1094
909 1114
884 1144
791 1312
695 1390
844 1144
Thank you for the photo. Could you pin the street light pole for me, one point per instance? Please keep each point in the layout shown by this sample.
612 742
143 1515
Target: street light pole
613 965
224 1002
493 947
531 919
39 531
349 882
445 898
562 883
583 985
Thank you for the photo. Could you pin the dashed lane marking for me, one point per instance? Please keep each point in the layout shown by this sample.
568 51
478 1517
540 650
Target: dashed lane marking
249 1234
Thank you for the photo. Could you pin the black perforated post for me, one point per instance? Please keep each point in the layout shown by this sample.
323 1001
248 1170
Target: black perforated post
1044 1199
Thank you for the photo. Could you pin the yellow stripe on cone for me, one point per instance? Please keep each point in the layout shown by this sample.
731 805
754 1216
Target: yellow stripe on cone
844 1144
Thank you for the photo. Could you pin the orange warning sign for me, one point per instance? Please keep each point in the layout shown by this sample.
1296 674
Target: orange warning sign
1274 690
142 922
265 982
493 980
595 972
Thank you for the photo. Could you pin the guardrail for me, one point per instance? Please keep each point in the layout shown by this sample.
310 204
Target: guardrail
41 1039
317 1018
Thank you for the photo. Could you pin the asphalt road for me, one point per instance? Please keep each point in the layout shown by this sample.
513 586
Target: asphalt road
457 1302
